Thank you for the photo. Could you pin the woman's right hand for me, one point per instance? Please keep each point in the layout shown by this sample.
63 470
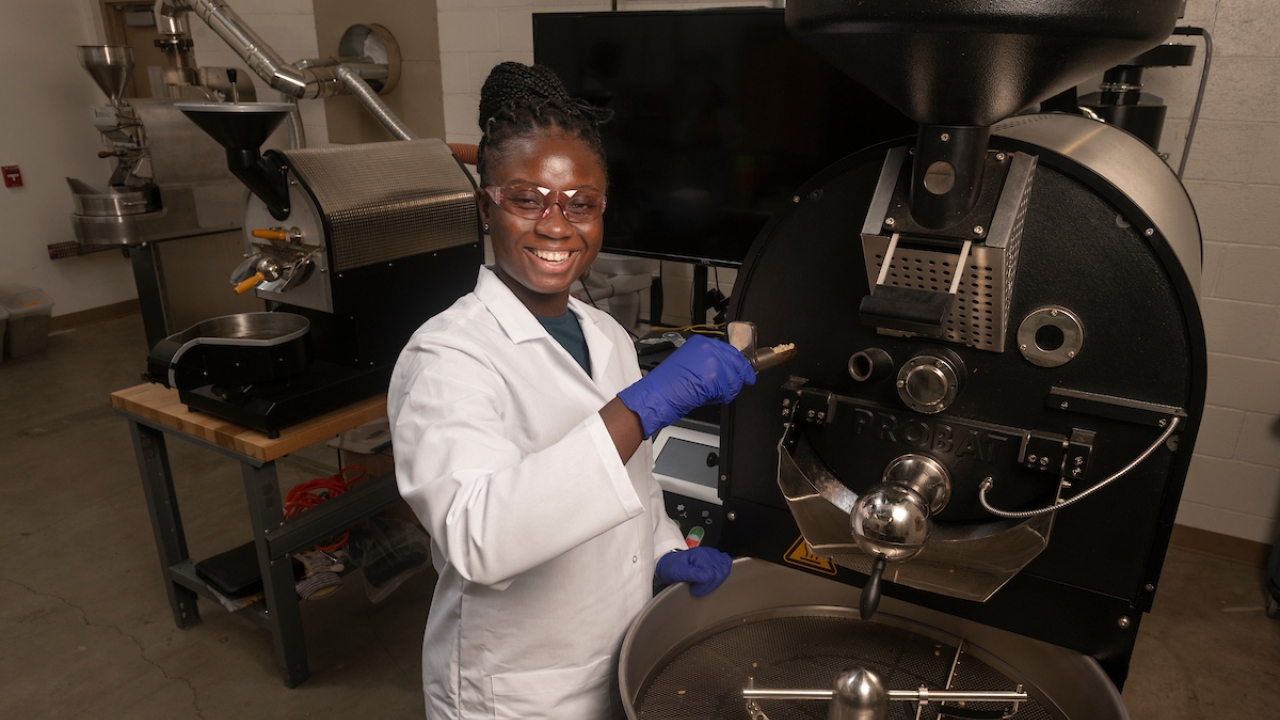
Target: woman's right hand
700 372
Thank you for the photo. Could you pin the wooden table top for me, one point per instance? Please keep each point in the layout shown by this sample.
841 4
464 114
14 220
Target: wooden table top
160 405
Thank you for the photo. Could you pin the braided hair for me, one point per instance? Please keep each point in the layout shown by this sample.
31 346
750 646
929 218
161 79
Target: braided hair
519 100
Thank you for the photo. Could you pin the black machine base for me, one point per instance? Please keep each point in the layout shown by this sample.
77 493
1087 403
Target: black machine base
271 407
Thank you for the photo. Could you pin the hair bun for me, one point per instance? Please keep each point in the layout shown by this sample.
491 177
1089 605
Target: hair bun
518 99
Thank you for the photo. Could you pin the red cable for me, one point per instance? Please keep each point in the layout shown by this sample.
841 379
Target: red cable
317 490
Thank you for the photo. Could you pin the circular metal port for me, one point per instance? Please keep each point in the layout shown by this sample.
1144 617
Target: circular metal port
930 381
1050 336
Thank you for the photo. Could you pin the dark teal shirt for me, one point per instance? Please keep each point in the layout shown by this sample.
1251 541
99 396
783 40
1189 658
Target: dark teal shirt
566 330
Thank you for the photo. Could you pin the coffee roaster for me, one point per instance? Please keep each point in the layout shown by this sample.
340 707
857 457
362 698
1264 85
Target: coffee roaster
359 243
169 202
1000 378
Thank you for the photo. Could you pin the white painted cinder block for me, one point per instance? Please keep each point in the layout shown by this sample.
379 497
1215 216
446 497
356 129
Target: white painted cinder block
1237 214
469 30
1219 432
515 30
1242 89
1243 383
1223 151
1212 262
1240 328
1266 160
1248 28
1250 272
1233 485
1260 440
1207 517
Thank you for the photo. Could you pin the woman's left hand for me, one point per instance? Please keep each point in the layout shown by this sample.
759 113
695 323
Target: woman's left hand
704 568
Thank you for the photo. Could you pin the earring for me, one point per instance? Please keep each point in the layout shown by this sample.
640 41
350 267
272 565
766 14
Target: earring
486 227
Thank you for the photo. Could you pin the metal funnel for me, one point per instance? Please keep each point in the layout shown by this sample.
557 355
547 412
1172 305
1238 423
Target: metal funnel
237 126
109 65
975 62
241 128
959 66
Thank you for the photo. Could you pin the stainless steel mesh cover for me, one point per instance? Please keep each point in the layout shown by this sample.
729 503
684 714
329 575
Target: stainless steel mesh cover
807 647
385 201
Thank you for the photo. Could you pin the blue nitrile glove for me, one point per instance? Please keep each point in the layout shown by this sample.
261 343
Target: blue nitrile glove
704 568
699 372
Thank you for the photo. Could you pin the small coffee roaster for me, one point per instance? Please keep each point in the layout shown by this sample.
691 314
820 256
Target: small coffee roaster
362 243
1000 378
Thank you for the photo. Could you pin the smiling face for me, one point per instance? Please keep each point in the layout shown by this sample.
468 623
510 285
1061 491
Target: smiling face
540 259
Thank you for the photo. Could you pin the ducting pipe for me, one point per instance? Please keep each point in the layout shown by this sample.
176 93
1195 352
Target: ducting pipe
309 83
359 88
297 133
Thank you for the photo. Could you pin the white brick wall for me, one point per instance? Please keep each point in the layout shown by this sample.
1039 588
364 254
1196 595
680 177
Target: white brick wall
1233 177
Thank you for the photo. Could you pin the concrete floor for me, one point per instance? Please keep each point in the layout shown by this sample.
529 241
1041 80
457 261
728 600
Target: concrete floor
86 630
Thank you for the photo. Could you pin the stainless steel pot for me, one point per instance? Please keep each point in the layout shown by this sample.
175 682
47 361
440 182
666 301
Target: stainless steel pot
114 202
777 627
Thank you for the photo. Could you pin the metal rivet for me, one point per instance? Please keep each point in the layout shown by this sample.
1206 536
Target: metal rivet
1149 232
1071 353
1124 622
978 229
810 414
1044 461
822 416
945 137
889 221
1000 157
1063 405
795 198
786 402
1031 458
724 477
1163 422
1054 312
732 515
1149 587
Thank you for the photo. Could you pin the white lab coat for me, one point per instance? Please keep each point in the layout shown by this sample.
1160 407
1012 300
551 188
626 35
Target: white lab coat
543 540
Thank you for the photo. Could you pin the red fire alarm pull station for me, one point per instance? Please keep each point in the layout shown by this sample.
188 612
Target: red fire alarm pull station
12 175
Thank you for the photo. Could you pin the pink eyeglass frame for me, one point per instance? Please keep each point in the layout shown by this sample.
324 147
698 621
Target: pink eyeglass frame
551 198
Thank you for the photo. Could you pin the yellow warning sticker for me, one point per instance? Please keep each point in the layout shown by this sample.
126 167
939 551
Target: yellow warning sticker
802 555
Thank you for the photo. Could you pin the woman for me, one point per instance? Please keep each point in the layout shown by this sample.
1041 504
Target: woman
520 422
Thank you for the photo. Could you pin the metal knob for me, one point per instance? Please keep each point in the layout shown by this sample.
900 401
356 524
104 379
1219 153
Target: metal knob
859 695
892 521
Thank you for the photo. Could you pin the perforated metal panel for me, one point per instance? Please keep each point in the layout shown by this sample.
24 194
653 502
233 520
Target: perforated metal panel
979 315
385 201
980 312
807 648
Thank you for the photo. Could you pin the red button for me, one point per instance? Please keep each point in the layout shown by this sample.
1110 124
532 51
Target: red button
12 176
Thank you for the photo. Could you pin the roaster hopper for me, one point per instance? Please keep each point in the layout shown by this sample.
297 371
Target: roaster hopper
362 243
1000 378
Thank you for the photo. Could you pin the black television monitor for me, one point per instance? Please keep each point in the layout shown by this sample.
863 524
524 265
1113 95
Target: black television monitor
719 115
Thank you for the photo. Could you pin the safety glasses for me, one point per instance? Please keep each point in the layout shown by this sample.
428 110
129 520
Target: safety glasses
533 203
